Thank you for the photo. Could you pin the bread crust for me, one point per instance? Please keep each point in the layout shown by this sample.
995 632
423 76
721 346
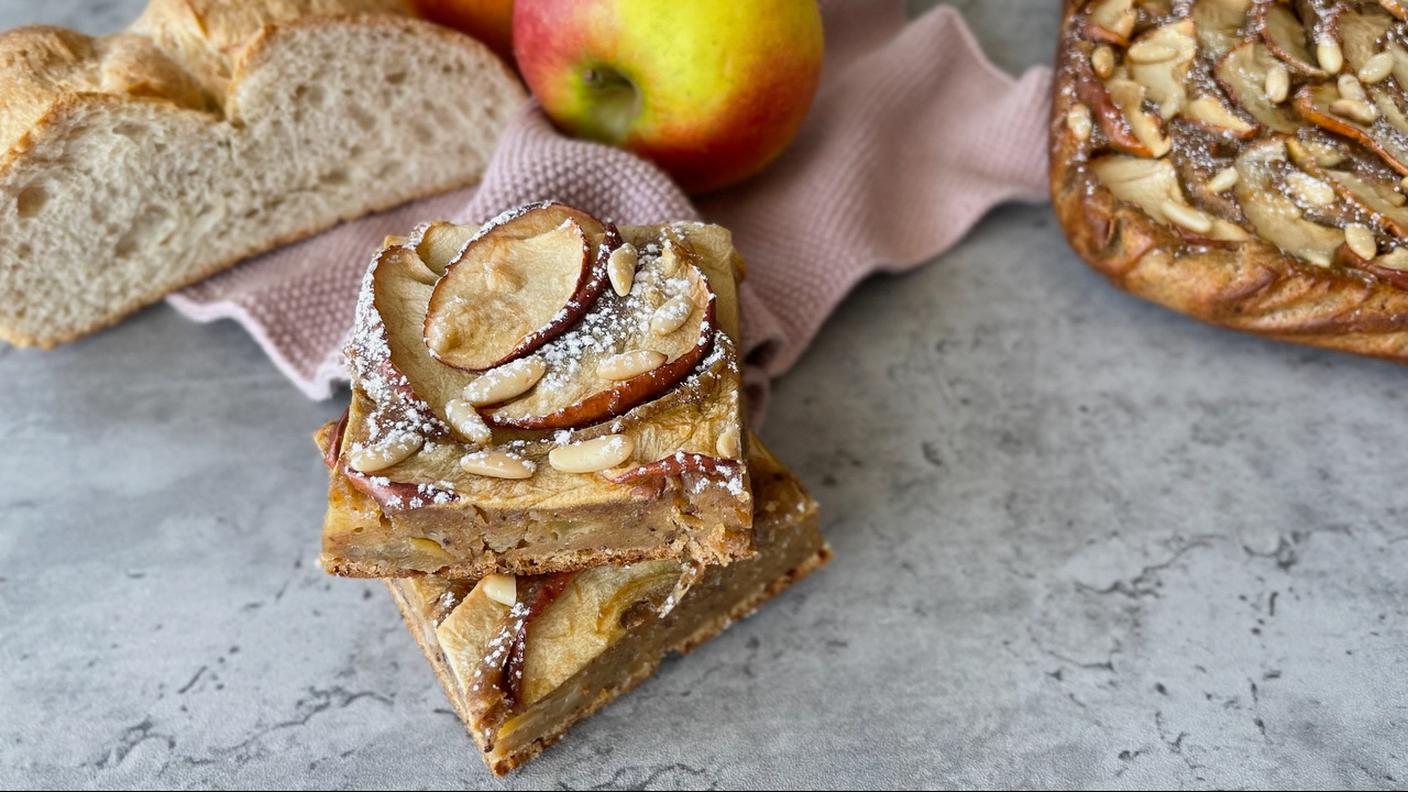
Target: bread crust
54 76
1250 286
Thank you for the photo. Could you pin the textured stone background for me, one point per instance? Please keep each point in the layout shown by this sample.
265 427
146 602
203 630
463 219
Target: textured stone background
1081 542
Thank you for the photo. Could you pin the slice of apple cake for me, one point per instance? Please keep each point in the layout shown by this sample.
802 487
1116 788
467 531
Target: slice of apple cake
543 394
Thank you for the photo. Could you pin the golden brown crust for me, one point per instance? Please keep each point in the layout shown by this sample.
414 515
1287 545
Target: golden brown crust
1250 286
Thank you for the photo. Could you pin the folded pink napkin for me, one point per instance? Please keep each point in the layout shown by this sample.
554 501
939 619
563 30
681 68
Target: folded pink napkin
913 137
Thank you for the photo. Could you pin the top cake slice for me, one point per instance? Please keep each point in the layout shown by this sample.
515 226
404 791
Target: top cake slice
543 394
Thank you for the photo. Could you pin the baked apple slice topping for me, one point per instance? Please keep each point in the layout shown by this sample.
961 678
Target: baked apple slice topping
626 351
1159 60
1152 185
515 286
1219 24
1110 21
1267 181
1285 36
1128 97
1259 84
1346 108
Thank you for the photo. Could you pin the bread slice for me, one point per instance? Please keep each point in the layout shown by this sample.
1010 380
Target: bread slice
211 130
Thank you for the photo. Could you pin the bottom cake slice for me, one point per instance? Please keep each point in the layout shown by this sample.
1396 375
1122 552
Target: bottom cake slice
522 660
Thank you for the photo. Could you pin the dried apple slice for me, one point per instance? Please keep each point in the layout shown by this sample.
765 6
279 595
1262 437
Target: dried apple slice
1113 124
1387 135
439 243
1262 168
1211 114
516 285
1242 74
1128 97
1219 24
1287 38
1159 60
387 349
576 391
1110 21
1152 185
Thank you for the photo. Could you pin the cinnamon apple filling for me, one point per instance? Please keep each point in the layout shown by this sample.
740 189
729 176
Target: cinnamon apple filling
1230 121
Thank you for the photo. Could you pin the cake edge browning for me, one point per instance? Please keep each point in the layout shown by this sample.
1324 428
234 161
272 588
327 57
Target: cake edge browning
1250 286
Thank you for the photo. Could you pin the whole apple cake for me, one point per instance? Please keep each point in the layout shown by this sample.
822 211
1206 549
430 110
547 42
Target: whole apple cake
542 394
1242 161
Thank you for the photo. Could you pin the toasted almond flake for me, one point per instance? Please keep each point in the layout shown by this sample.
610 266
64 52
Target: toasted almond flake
1150 51
729 445
1363 112
1350 88
591 456
391 450
629 364
621 268
1102 60
502 589
466 421
497 464
1361 241
1278 83
1223 181
1310 189
1377 68
1079 121
505 382
1330 56
1185 216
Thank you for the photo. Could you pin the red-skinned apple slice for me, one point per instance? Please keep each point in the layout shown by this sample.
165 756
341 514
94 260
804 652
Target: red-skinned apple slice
517 285
1261 168
1242 74
1286 37
1152 185
1375 196
1211 114
1360 31
1387 136
1159 60
1116 128
1128 96
574 393
1396 7
1391 267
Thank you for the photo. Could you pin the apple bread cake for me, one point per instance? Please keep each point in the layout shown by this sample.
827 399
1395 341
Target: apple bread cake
523 659
1242 161
542 394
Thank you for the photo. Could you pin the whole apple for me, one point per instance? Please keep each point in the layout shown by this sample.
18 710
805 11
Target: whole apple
490 21
711 90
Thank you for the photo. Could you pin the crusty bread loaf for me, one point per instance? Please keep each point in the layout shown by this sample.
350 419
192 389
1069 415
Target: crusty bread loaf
1243 280
211 130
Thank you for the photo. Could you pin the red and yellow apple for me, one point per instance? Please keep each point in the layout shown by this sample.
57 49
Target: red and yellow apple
712 91
490 21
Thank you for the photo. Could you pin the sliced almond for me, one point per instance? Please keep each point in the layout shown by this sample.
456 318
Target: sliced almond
1223 180
591 456
502 589
621 268
508 381
1377 68
391 450
466 421
1361 241
629 364
497 464
1185 216
1102 60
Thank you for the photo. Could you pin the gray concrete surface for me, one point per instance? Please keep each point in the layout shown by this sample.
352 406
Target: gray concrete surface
1080 542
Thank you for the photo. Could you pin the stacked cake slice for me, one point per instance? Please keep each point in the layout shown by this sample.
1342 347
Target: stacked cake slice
546 458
